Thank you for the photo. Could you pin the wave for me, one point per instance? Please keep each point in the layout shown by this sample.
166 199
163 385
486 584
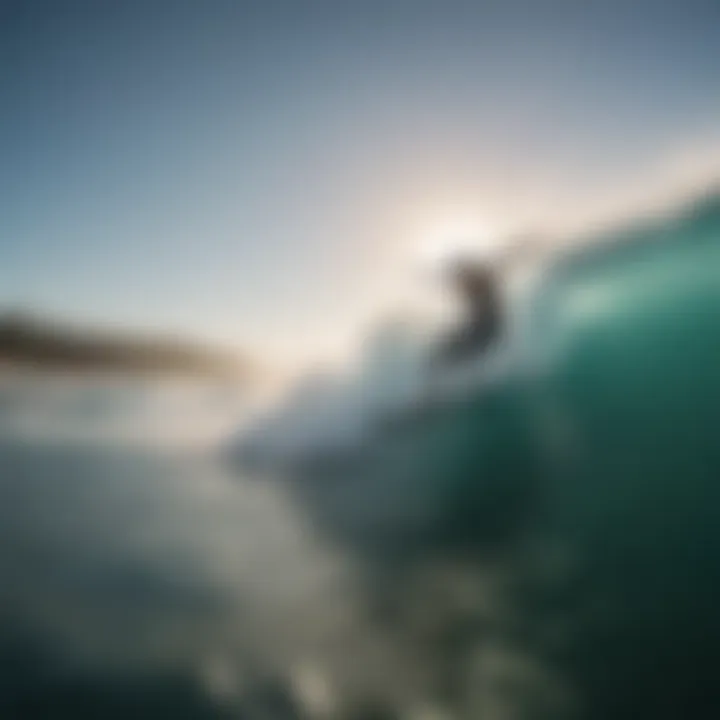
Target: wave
536 543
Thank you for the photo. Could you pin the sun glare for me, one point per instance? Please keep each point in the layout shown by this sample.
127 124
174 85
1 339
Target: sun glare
458 237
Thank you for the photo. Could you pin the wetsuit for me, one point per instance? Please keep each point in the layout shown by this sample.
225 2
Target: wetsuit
478 286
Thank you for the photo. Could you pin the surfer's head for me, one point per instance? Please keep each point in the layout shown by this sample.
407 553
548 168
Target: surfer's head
471 278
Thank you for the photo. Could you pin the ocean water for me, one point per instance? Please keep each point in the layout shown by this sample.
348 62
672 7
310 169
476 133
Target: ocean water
147 583
544 545
140 581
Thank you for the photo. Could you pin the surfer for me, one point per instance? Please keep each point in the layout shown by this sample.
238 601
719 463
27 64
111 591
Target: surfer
478 285
479 282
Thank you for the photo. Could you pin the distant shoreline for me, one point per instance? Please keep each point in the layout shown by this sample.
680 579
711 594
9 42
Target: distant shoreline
29 344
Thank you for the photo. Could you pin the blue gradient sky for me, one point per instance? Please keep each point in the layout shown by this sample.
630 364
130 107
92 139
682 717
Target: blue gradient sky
254 172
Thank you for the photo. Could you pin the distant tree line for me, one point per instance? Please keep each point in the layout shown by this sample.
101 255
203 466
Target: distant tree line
26 341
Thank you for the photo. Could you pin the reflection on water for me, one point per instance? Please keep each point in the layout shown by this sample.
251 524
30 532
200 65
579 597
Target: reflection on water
144 582
153 583
145 564
117 410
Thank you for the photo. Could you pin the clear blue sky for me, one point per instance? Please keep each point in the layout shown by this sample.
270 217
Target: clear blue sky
246 171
